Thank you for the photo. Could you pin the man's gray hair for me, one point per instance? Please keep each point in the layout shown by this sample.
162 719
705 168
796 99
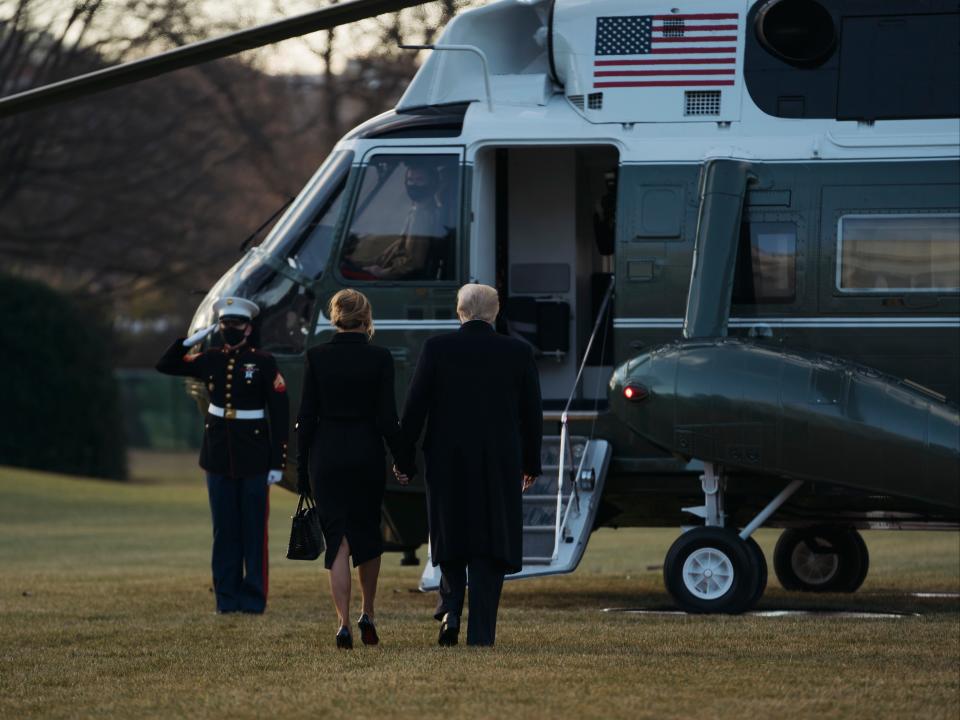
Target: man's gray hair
477 302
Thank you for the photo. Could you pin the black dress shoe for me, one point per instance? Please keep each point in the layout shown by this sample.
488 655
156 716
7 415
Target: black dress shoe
449 630
344 639
368 631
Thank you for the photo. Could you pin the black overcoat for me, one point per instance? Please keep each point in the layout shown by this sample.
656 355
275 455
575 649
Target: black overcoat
347 410
479 394
242 379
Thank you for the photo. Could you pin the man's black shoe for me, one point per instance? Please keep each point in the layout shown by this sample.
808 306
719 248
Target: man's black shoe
368 631
449 630
344 639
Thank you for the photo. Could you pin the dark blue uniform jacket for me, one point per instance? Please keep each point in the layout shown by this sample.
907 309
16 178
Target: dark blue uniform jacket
242 379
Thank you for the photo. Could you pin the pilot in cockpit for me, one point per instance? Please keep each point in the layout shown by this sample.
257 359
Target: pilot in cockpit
409 254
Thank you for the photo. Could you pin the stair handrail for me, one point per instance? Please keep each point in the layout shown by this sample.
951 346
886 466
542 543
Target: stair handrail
561 521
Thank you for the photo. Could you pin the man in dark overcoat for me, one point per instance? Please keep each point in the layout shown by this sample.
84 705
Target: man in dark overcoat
479 394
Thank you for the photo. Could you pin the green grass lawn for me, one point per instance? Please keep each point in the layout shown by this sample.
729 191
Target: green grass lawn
106 610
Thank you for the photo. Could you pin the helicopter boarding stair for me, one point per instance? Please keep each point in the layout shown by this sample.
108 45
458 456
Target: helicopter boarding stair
560 508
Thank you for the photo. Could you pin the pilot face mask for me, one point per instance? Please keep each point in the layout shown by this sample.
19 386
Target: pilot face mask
418 192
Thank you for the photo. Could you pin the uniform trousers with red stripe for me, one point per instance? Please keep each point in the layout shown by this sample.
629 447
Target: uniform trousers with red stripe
240 508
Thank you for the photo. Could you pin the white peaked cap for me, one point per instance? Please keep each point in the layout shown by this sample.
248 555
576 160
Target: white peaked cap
236 306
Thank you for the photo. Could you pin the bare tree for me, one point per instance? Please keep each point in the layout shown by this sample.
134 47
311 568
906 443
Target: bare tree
141 196
78 183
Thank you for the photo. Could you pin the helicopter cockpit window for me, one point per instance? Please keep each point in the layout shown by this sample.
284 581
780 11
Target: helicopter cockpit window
766 264
900 253
303 238
279 274
404 225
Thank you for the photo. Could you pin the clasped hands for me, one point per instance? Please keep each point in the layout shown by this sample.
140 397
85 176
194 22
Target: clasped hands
404 479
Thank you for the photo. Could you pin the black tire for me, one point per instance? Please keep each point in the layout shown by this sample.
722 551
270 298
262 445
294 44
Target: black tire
857 580
760 562
727 586
818 559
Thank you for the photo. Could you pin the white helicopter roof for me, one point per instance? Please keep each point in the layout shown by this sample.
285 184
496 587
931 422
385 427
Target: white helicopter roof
638 73
616 60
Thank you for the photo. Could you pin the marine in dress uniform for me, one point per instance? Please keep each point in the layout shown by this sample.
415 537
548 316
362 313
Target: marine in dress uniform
244 448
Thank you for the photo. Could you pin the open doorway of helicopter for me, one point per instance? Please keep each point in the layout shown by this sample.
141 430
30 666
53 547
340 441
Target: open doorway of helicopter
547 239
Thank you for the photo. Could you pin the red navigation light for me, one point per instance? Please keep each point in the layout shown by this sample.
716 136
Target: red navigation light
635 392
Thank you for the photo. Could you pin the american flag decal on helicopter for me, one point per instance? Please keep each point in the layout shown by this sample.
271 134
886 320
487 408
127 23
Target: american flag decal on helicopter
698 50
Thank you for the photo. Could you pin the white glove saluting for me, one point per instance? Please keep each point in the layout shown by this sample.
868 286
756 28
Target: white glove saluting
274 476
199 335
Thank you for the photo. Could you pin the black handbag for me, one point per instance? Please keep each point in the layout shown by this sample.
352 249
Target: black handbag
306 536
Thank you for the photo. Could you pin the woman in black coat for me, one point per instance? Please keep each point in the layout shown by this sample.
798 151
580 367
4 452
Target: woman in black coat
346 412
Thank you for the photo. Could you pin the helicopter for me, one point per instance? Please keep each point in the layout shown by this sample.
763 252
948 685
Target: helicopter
729 229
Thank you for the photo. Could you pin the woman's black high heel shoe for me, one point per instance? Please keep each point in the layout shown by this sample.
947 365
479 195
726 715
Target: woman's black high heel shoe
368 631
344 639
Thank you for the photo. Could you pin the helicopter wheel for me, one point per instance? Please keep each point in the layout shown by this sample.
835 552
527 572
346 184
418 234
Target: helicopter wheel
858 579
821 559
760 563
711 570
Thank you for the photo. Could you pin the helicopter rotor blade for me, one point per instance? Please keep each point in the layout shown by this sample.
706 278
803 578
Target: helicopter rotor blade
199 52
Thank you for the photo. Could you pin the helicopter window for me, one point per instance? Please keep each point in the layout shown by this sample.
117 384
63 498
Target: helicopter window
285 306
301 241
883 253
303 237
309 253
404 225
766 263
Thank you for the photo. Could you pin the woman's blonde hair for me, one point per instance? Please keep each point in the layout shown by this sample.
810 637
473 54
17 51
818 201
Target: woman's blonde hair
350 310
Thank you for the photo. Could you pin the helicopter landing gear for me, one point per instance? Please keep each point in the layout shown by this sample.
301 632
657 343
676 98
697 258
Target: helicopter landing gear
714 569
821 559
760 564
711 570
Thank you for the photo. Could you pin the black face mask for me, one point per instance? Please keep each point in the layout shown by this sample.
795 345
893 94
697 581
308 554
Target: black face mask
233 335
419 193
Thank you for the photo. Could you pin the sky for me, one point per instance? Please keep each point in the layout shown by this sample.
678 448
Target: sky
293 56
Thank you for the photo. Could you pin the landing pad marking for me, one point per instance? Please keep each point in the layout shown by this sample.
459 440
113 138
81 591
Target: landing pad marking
935 594
778 613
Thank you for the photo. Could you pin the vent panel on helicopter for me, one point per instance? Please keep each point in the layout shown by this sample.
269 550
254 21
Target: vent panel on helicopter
701 102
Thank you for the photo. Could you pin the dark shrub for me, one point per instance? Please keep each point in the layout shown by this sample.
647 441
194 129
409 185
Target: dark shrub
59 406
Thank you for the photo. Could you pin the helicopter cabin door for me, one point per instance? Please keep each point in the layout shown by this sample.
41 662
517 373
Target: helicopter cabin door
544 236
